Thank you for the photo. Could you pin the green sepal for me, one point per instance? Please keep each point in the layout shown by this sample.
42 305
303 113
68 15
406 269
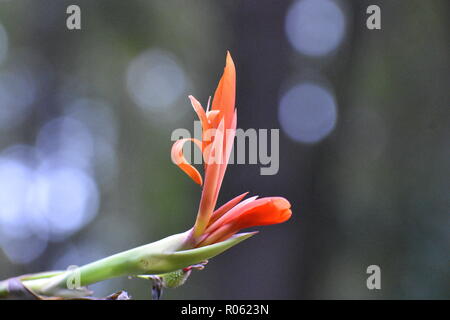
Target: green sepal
171 261
160 257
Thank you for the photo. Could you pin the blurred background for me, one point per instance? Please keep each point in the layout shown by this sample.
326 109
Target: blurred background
86 118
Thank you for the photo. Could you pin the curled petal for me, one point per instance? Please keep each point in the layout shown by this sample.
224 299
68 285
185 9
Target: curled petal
200 112
179 159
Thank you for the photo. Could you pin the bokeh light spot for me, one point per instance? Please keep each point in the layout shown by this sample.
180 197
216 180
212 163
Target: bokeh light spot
69 198
23 250
155 80
66 140
307 112
15 178
315 27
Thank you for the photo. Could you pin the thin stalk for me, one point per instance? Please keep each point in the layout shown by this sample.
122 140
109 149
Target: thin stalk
163 256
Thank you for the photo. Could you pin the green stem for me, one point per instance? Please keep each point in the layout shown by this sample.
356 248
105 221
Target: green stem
163 256
148 258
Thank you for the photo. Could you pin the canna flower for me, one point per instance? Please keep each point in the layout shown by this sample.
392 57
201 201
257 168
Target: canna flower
218 132
169 261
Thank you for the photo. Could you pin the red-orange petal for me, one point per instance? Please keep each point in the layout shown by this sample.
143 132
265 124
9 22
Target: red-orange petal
225 94
212 115
224 231
228 146
179 159
231 214
271 211
264 211
200 112
226 207
209 194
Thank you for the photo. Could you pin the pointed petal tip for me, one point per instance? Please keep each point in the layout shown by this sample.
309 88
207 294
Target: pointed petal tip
192 256
245 235
198 180
229 59
192 98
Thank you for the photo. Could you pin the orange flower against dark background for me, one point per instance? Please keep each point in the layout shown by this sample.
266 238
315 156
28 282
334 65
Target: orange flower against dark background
218 132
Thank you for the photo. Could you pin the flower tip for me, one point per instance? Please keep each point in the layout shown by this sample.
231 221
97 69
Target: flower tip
192 173
245 235
191 97
198 179
283 207
281 203
240 236
229 59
